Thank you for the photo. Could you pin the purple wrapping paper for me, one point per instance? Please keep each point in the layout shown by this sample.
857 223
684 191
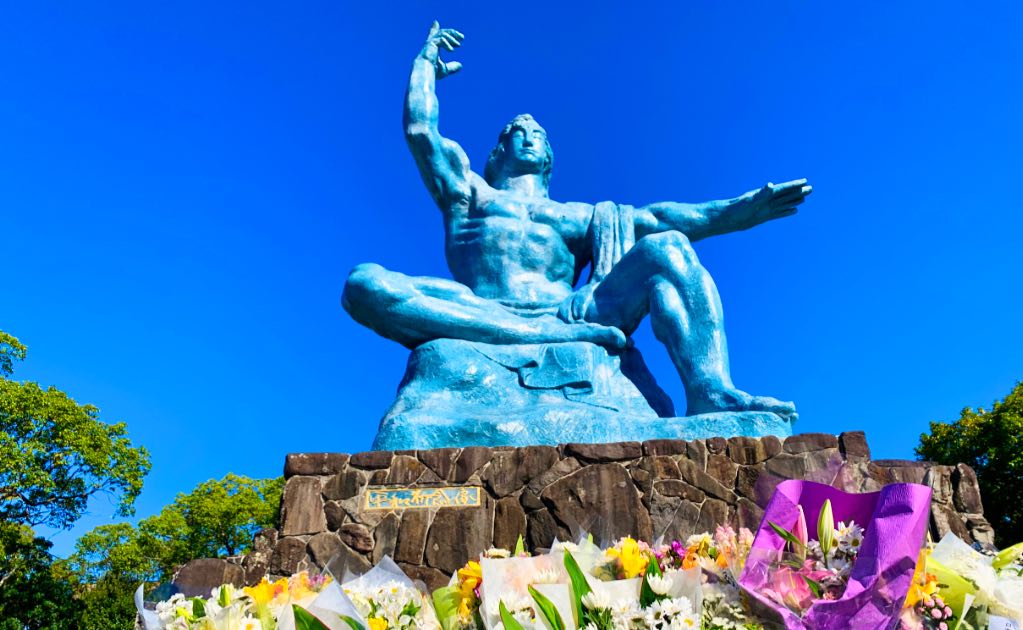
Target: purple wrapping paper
895 522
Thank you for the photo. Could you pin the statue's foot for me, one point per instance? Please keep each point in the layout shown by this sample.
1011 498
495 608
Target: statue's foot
737 400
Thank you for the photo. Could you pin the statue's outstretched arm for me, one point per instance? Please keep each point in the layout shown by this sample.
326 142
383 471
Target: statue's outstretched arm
700 220
442 163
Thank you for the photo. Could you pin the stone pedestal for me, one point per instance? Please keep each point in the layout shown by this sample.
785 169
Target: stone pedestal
432 510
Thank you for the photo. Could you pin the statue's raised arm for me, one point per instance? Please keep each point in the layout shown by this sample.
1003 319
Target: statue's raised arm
442 163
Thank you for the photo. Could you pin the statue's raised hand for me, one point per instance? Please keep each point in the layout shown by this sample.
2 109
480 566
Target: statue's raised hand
446 38
773 201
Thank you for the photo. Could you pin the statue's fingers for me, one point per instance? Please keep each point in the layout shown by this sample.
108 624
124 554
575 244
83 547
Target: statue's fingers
787 211
793 194
434 29
443 41
451 41
453 33
452 67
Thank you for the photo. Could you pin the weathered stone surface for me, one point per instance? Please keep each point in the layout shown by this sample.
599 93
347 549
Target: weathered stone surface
901 471
371 460
696 452
562 468
939 478
256 565
853 445
747 450
803 442
748 514
981 530
679 488
474 527
323 547
314 464
746 481
357 536
199 577
660 467
772 445
716 445
432 578
288 557
542 529
596 453
712 513
944 519
696 477
601 490
509 523
378 477
404 470
344 485
334 514
412 536
512 469
673 518
469 461
665 447
966 491
385 537
439 460
302 507
341 559
722 468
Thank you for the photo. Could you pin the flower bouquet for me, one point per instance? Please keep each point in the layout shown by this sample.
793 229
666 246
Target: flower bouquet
860 582
388 600
265 606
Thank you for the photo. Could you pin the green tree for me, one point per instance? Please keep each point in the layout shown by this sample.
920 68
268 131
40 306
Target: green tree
55 455
218 518
991 442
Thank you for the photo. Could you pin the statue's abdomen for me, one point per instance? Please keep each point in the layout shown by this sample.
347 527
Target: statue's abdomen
511 260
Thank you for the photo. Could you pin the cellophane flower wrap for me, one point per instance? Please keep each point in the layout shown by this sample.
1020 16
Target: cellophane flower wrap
894 522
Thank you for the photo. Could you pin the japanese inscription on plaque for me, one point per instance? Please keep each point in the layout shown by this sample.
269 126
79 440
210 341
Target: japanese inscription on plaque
421 498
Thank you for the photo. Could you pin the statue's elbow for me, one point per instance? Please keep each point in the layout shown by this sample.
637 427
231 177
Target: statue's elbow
361 286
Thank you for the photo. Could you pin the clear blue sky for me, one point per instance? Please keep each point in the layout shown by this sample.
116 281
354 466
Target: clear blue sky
184 187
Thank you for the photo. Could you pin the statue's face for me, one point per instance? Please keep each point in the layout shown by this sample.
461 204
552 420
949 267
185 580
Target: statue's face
526 148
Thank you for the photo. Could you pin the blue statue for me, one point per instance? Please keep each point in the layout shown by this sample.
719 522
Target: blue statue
513 312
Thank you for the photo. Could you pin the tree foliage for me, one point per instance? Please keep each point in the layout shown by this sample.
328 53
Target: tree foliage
56 454
218 518
991 442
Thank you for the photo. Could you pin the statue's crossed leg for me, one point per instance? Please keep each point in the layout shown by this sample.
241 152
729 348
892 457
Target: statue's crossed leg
415 309
660 276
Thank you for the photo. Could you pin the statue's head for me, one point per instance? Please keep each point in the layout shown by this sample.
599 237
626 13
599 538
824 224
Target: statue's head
522 148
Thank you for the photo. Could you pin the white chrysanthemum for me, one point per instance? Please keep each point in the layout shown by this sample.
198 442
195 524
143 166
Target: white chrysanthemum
849 537
595 601
660 585
590 626
700 539
570 547
547 576
495 552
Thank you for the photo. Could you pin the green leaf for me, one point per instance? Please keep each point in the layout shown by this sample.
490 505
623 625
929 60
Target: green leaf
520 546
304 620
547 608
815 586
198 607
647 596
352 623
786 534
445 603
580 587
510 622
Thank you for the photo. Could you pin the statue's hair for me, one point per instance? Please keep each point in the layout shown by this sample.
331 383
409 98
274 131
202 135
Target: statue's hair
496 158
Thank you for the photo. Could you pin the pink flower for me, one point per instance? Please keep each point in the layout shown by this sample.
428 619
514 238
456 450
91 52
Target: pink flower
787 587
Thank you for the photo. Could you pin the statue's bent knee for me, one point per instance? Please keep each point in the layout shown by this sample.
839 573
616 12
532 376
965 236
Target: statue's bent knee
364 287
669 250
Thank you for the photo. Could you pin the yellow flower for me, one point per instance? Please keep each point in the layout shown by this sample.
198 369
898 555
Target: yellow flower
924 584
376 623
470 577
266 591
629 556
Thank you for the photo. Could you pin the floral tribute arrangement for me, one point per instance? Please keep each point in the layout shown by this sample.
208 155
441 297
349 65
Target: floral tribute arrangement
785 575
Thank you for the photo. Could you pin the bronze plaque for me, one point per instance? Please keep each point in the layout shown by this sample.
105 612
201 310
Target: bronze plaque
422 498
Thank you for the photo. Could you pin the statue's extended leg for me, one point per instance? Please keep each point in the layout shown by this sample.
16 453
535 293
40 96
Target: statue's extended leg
413 310
662 276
